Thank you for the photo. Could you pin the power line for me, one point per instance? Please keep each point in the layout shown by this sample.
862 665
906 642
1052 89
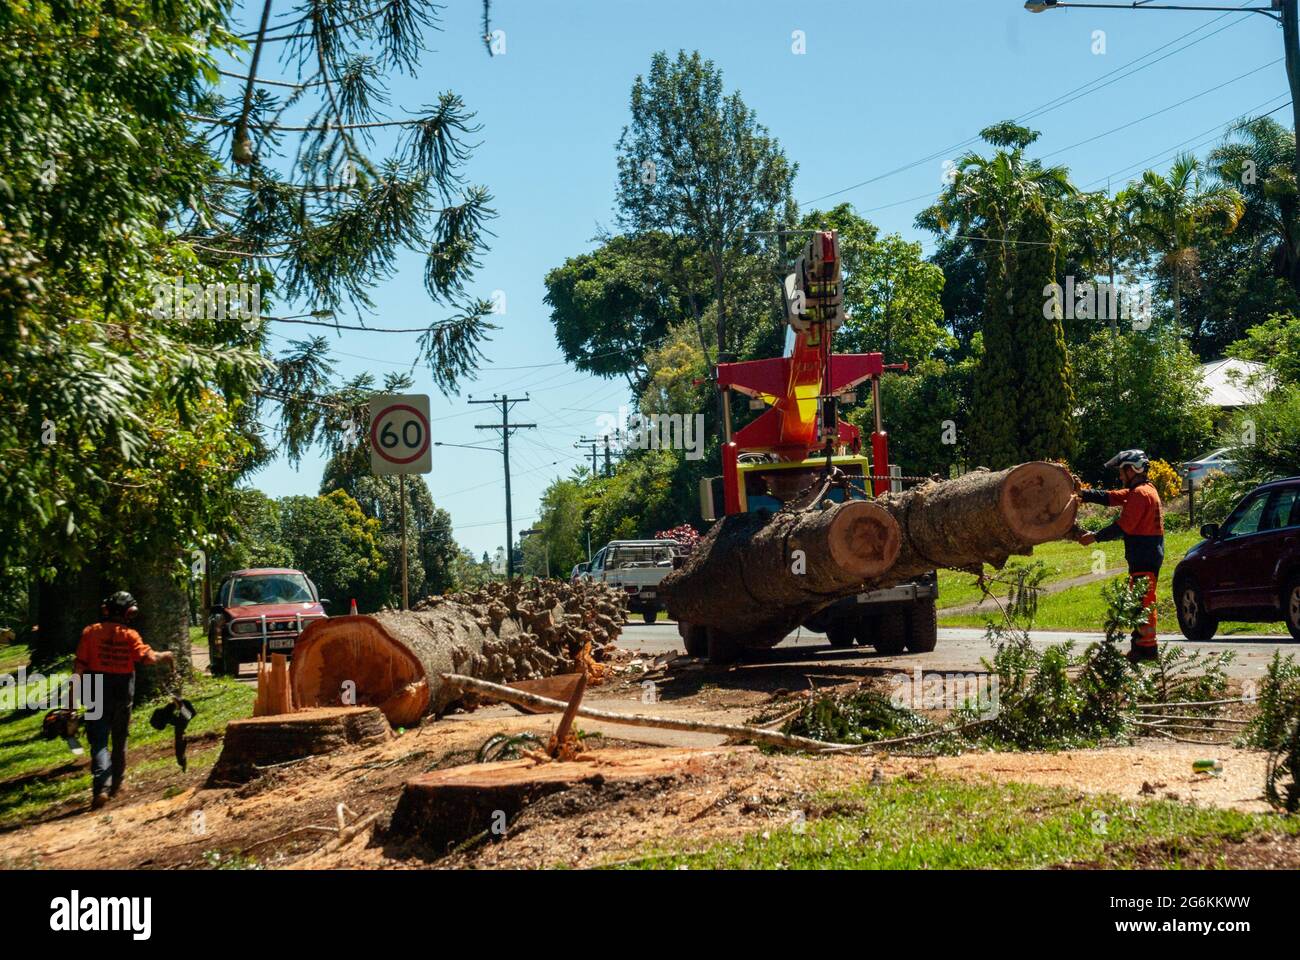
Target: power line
1038 111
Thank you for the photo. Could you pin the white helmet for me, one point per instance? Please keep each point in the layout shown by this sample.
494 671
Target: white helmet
1137 459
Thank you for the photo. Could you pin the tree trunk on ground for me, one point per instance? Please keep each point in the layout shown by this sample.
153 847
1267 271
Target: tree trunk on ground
748 567
502 633
739 578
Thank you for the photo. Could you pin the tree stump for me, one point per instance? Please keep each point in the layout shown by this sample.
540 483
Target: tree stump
279 738
444 807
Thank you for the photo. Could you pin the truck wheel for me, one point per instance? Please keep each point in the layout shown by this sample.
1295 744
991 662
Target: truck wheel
650 615
1291 607
695 638
229 664
865 630
922 627
891 634
840 634
216 665
1193 619
723 647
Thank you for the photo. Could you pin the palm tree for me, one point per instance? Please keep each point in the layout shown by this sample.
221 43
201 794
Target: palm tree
1100 226
1169 213
1260 166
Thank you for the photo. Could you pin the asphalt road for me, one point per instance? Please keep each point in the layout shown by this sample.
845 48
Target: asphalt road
959 649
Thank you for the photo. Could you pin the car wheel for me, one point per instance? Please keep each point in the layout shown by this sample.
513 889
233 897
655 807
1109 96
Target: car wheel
1292 607
1193 619
650 615
922 627
840 634
229 663
891 634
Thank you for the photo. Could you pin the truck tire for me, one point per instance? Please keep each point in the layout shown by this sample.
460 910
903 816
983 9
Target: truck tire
650 614
922 627
216 665
891 633
840 633
694 638
723 647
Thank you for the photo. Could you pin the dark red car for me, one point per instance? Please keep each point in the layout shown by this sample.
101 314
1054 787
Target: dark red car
1247 568
267 605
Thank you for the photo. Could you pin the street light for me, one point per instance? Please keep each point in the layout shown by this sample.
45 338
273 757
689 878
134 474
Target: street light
1038 6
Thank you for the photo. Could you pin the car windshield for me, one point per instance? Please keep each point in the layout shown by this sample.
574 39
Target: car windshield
628 557
270 588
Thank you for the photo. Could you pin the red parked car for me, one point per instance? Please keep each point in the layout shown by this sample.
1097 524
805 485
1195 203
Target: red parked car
270 605
1247 568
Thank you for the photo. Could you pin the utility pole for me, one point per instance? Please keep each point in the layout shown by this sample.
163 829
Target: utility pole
583 444
609 470
506 403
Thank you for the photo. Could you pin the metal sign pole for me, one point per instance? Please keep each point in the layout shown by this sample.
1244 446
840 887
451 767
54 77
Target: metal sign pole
401 492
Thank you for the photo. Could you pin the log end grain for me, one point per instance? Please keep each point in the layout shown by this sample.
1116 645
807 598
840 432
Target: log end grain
444 807
1038 501
864 539
353 660
260 742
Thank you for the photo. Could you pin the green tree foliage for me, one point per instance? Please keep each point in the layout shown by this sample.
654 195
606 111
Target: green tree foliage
338 546
562 541
891 294
695 164
1138 389
1274 343
252 539
1022 404
612 305
1171 214
926 414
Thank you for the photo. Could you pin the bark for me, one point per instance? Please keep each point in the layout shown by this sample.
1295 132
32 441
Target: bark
164 620
758 573
739 579
394 660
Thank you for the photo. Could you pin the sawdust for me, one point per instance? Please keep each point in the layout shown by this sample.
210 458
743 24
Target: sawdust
738 791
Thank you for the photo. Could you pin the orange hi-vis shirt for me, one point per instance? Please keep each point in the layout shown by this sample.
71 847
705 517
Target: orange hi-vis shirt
1143 514
110 648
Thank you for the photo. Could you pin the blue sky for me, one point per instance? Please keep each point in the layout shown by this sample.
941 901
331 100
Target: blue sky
884 86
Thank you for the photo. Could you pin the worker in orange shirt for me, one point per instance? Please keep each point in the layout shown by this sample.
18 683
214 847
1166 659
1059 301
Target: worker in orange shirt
109 650
1141 524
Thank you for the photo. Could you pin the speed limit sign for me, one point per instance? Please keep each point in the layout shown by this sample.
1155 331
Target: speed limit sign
399 434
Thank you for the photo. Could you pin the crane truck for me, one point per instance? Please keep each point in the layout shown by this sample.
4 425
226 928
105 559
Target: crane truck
798 451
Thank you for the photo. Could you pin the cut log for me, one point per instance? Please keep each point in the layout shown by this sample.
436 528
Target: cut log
981 517
261 742
739 579
393 660
758 573
444 807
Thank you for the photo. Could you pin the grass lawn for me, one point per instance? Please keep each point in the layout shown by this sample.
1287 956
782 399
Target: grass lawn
948 824
1081 608
24 752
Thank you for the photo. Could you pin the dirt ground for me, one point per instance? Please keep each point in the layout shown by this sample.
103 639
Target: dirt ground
287 817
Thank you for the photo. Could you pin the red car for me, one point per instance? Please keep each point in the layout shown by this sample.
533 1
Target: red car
1247 568
267 605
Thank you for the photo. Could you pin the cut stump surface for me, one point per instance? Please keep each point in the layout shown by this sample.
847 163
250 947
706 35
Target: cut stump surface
279 738
446 806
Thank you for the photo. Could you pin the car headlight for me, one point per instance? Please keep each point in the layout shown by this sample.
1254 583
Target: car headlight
244 627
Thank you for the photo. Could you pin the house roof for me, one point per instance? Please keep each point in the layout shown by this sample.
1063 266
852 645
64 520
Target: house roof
1234 383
